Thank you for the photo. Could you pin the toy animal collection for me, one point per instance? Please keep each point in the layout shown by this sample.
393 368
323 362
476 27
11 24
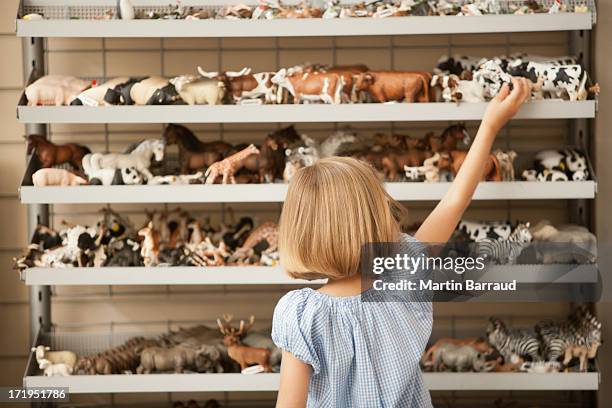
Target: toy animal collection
274 9
431 158
542 243
198 349
550 346
169 238
454 79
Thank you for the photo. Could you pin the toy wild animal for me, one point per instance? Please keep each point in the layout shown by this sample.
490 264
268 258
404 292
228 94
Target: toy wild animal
268 232
194 155
238 352
228 167
50 154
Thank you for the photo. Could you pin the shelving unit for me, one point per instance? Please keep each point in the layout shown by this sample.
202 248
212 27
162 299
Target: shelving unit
266 275
60 24
367 112
100 384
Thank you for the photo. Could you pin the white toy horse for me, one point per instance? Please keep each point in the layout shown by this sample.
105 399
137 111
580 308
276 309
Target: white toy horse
139 158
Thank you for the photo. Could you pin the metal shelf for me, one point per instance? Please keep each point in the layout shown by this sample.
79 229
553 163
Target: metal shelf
100 384
306 27
262 275
171 275
367 112
266 193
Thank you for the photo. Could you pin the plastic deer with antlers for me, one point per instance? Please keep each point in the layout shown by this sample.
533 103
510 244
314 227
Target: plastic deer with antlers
243 355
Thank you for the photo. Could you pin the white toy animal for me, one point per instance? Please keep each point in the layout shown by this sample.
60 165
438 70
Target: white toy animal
54 357
55 90
56 177
177 179
202 91
94 96
55 370
125 10
139 158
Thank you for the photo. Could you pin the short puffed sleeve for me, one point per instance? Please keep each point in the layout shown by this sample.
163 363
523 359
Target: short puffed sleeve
291 328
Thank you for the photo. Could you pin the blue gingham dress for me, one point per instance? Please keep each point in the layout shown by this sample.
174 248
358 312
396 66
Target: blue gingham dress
363 354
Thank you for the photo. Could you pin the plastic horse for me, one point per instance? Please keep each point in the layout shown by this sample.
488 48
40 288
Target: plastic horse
49 154
194 155
139 158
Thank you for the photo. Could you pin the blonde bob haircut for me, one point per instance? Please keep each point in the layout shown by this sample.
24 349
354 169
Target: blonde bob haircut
333 208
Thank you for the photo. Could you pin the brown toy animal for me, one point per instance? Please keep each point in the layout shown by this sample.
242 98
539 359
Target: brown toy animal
150 245
50 154
238 352
393 162
453 160
228 167
194 155
386 86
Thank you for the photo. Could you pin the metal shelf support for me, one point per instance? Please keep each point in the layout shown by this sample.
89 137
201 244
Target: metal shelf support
40 295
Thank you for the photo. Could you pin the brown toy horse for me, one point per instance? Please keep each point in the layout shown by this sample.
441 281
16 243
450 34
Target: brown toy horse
449 138
49 154
194 155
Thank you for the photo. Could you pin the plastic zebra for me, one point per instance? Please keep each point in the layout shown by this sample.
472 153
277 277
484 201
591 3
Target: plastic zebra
510 343
580 329
505 251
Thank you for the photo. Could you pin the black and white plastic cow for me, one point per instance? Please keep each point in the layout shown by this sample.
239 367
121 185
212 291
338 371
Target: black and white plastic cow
558 81
491 77
459 65
571 162
478 231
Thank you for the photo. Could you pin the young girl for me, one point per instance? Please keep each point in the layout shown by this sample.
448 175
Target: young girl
337 350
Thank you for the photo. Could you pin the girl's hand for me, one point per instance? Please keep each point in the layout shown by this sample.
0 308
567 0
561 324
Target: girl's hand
506 104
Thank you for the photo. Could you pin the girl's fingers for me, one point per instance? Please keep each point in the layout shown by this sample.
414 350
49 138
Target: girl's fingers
503 92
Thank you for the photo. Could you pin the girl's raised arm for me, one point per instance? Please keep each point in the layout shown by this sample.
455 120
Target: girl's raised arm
440 224
294 381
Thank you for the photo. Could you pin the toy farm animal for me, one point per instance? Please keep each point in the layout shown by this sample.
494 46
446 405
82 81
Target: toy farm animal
121 94
55 90
194 155
139 158
228 167
506 163
429 170
94 96
178 359
150 246
68 358
394 162
56 177
449 88
268 232
459 65
310 87
200 91
243 355
388 86
244 85
453 160
55 369
50 154
478 231
572 162
153 91
460 358
491 77
180 179
560 81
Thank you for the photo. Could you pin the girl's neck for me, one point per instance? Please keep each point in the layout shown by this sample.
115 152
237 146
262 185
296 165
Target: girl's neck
350 286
